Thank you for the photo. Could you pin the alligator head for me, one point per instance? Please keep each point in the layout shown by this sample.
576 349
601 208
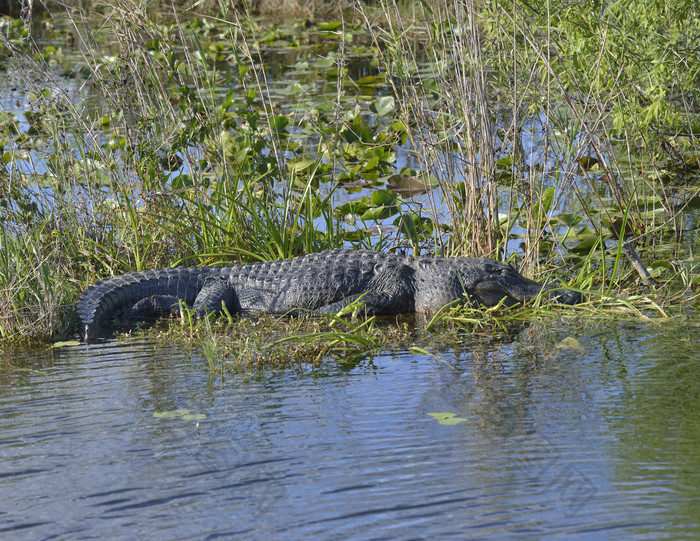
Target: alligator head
502 281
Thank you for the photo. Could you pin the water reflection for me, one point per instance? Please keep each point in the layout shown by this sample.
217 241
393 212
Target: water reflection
594 441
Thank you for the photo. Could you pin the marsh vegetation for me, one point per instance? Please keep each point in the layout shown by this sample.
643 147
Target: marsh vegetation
137 137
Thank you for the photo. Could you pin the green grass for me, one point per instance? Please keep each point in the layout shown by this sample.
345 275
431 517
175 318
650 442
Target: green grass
185 150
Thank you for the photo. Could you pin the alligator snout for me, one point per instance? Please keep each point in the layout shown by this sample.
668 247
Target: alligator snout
502 281
565 296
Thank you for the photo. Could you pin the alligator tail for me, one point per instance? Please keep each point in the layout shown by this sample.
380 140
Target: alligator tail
106 300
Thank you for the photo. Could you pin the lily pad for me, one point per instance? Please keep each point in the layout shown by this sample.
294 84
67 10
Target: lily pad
447 418
325 62
170 414
279 122
382 197
302 164
383 105
570 343
586 163
370 80
183 414
410 184
586 246
65 344
194 417
570 219
330 26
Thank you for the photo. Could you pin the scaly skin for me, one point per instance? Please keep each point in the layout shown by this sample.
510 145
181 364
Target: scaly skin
325 282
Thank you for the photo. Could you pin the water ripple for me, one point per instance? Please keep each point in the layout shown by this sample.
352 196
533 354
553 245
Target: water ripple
553 443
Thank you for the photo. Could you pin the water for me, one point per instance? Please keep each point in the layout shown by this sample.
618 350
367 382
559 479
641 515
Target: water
596 442
600 442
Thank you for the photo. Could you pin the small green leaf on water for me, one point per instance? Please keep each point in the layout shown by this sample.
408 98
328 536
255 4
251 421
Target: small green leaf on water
570 343
183 414
302 164
383 105
170 414
329 26
295 89
585 246
587 162
382 197
370 80
279 122
447 418
325 63
379 213
65 344
418 351
194 417
505 162
570 219
411 184
657 268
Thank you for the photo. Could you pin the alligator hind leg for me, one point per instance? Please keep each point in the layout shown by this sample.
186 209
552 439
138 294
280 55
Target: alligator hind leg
215 293
152 307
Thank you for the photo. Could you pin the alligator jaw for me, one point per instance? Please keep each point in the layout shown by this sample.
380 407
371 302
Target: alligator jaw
515 288
565 296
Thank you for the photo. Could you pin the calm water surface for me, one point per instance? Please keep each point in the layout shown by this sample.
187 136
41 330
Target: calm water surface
556 443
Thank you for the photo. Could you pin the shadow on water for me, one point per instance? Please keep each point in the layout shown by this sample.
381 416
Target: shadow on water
130 438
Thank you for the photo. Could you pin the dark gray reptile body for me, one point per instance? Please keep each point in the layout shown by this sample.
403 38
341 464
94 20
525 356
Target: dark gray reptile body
325 282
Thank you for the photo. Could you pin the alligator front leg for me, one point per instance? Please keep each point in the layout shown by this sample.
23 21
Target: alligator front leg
391 291
214 294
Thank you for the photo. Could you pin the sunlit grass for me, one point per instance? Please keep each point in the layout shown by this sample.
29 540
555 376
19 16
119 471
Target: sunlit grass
199 163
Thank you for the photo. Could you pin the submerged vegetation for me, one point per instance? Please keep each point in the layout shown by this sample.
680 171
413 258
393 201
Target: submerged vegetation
547 136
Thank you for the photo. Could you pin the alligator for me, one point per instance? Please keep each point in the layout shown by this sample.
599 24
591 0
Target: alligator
324 282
